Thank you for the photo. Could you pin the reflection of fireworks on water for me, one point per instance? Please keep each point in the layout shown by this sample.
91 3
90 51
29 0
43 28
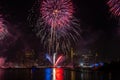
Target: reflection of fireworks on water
54 74
2 71
3 29
114 7
56 25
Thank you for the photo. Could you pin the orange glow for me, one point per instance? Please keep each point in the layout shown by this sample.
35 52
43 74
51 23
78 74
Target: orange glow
55 11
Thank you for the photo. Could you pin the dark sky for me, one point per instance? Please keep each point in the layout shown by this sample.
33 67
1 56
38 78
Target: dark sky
100 31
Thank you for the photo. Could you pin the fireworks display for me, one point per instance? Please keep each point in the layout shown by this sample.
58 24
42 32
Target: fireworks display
55 25
57 13
3 29
114 7
8 35
57 60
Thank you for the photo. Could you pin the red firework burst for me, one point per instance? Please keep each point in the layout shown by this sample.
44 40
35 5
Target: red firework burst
57 13
55 24
114 7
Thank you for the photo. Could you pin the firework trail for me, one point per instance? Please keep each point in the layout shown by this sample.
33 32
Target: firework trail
8 35
56 60
48 57
114 7
3 29
56 25
5 37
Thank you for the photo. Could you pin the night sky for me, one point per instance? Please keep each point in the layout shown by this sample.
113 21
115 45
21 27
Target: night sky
100 30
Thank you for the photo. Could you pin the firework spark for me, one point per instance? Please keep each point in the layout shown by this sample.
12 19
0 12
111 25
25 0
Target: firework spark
3 29
8 35
114 7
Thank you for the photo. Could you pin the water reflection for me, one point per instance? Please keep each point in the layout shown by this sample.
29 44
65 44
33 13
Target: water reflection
73 75
55 74
67 74
59 73
1 74
48 74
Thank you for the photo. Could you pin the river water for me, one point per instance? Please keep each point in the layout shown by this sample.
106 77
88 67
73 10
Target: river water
56 74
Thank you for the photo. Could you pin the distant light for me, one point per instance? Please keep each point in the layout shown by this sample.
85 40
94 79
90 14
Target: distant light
81 64
96 64
101 64
58 66
92 65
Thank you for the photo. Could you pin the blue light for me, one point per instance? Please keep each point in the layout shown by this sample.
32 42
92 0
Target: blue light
47 56
97 65
94 65
48 74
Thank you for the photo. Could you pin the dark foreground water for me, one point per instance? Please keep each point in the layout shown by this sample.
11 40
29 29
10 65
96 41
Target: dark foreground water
56 74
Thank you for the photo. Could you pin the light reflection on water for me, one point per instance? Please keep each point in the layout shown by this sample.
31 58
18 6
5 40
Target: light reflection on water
1 74
53 74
